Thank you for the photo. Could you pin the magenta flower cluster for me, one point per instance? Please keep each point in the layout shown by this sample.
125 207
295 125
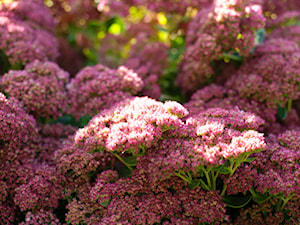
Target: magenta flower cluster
130 126
40 86
96 88
27 32
108 145
221 29
17 127
273 76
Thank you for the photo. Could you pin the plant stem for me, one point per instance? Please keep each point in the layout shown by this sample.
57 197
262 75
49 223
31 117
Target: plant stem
208 179
289 105
183 177
121 159
282 202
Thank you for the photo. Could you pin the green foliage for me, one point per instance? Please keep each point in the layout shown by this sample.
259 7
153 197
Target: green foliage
260 36
222 169
237 201
260 198
194 184
281 112
167 82
69 119
130 160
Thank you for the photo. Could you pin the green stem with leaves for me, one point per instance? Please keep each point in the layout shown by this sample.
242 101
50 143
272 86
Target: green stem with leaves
186 176
282 202
234 164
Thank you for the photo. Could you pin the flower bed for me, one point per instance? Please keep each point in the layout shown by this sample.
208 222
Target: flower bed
149 112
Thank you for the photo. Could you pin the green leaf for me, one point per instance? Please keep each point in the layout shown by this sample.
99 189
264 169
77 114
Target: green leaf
84 120
235 57
260 36
279 195
222 169
194 184
250 159
160 28
123 171
65 119
130 160
260 198
237 201
69 119
281 112
105 203
201 173
204 185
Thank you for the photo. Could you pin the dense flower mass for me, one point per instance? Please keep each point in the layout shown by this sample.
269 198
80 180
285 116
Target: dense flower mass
41 217
16 126
40 86
23 41
273 76
78 166
210 138
42 191
34 11
282 160
156 112
131 125
98 87
217 30
146 203
213 96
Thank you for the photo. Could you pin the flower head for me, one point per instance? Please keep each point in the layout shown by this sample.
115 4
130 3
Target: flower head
224 27
40 86
16 126
98 87
22 42
130 126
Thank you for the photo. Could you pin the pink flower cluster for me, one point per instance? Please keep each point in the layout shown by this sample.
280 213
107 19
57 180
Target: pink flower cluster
16 126
78 166
223 27
34 11
98 87
139 160
130 126
214 95
146 203
274 173
41 217
272 76
279 165
42 191
210 138
40 86
23 37
53 137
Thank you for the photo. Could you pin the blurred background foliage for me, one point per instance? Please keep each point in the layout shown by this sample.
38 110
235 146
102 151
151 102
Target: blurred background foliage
87 31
